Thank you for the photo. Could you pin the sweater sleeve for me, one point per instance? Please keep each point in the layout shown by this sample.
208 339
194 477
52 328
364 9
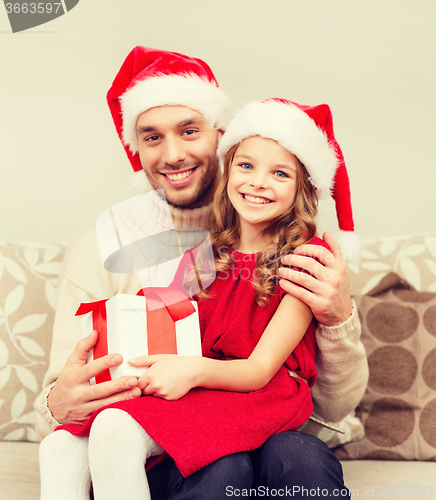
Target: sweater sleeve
342 369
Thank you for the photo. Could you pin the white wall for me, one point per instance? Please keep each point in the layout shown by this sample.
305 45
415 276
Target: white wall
373 61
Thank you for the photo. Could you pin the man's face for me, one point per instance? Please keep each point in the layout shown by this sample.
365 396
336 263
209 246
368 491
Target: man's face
177 149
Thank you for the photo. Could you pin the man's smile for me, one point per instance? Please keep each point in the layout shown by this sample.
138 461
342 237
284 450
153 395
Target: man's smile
179 178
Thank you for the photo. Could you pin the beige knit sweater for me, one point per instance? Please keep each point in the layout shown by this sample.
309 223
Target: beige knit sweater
341 361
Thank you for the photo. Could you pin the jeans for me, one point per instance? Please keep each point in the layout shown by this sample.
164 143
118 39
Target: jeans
289 465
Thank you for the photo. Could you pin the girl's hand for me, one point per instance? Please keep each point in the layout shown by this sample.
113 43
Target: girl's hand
169 376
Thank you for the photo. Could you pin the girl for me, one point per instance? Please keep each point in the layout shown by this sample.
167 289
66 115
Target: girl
278 157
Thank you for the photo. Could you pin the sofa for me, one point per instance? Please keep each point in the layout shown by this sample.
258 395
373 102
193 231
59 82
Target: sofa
389 445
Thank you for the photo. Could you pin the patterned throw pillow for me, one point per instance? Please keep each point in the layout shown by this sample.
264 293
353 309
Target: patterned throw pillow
28 278
412 257
399 407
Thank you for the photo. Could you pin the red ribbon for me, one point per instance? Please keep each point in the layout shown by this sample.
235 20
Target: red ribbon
99 323
164 306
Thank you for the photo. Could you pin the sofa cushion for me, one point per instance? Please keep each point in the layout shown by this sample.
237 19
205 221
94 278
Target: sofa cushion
19 471
389 479
28 278
399 406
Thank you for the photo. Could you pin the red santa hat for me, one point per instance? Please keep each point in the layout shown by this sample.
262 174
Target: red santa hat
307 132
149 78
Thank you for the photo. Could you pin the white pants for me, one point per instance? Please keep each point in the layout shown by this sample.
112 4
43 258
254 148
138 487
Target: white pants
113 457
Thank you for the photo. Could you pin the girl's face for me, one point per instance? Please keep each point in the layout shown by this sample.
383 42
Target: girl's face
262 181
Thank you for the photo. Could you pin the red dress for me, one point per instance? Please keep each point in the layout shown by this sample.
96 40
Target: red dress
207 424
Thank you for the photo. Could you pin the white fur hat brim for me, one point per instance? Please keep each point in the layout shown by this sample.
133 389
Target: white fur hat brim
188 90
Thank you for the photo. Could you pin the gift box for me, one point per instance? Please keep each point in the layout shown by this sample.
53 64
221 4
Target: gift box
156 321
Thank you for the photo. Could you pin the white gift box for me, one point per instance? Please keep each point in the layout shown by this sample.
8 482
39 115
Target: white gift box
134 325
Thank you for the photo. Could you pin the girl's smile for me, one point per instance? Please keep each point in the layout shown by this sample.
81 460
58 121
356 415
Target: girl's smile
257 200
262 182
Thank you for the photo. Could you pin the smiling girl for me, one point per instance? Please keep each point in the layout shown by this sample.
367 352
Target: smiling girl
258 343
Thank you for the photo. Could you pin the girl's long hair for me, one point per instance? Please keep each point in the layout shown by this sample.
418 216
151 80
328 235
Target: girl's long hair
294 227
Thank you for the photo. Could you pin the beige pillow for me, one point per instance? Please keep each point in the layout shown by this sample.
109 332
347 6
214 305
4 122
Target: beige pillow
28 278
399 407
413 258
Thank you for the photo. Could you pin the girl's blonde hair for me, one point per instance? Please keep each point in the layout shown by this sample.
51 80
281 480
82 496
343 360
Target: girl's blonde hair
293 228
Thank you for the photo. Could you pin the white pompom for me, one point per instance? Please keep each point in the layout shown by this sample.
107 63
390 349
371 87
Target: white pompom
350 246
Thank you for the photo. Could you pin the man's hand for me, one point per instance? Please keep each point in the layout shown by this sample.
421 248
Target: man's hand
169 376
326 289
73 399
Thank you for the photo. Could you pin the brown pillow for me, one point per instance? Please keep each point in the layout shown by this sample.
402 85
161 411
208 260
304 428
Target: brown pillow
399 407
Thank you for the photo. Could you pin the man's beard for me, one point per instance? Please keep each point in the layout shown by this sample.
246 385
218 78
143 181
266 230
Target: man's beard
203 190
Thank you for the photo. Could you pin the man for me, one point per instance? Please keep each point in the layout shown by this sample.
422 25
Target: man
169 113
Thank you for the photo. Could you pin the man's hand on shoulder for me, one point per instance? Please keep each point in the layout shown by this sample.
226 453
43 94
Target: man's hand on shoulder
73 399
324 286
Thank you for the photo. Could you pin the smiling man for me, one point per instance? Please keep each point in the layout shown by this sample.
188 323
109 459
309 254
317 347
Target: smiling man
169 113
